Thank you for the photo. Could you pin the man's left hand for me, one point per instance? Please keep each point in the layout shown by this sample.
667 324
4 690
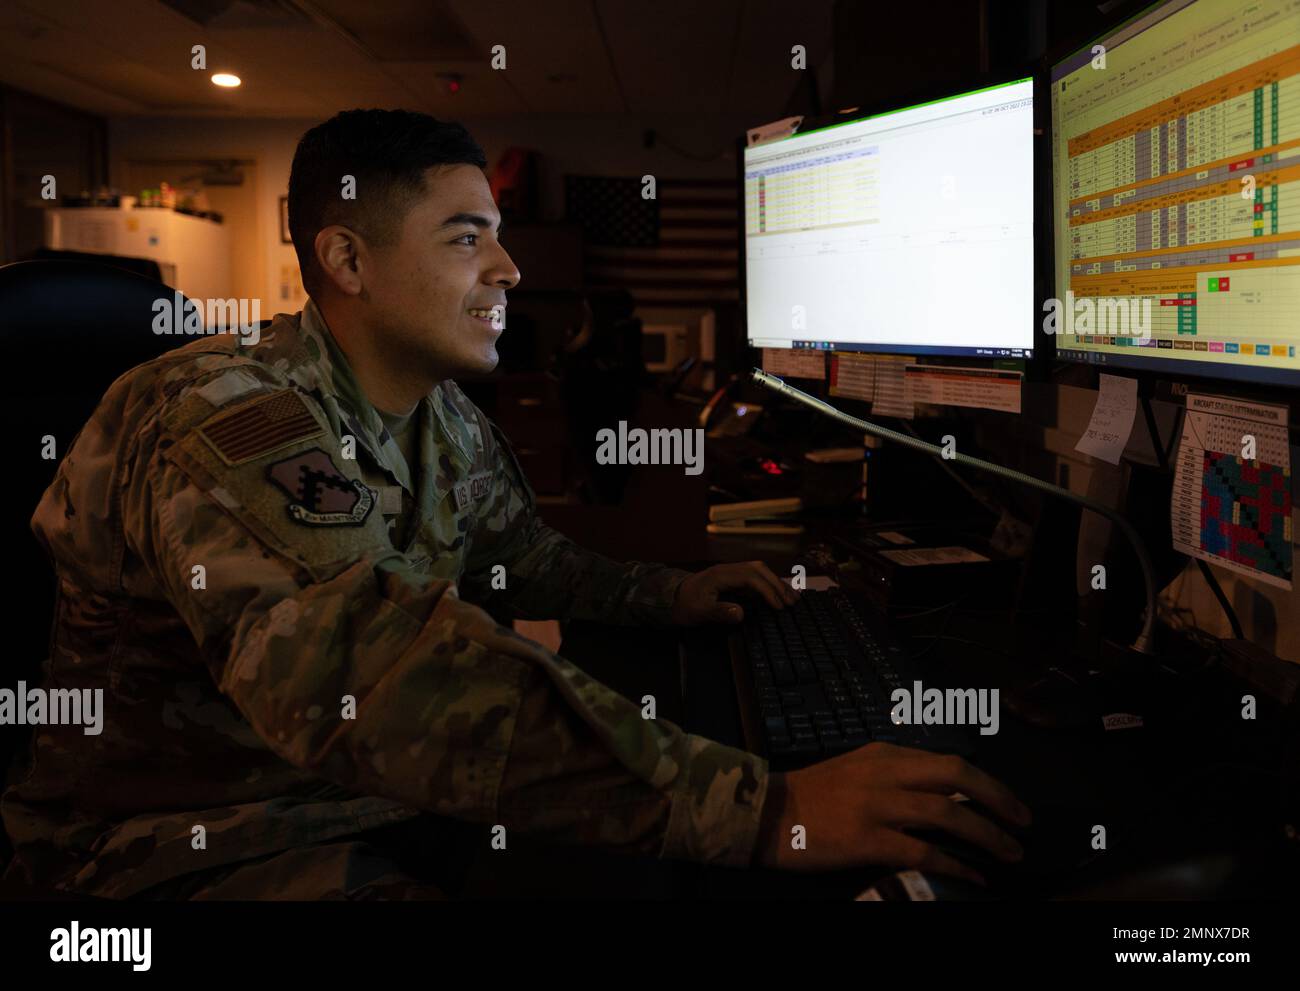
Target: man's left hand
697 597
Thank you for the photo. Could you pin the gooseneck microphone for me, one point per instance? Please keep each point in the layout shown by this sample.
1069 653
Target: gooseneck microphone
1143 643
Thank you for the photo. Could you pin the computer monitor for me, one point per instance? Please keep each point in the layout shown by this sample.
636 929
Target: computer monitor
907 232
1176 193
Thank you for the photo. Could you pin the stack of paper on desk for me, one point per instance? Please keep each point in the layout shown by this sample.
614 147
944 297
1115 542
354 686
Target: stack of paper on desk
761 516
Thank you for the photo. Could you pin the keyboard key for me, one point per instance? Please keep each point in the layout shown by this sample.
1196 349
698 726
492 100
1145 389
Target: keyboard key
824 642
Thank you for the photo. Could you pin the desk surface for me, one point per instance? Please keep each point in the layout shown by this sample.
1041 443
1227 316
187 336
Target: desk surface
1192 779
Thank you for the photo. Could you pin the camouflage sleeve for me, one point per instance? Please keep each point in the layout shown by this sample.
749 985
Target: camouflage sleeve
347 664
548 576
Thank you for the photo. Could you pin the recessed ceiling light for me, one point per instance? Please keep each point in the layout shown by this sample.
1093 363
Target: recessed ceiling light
226 79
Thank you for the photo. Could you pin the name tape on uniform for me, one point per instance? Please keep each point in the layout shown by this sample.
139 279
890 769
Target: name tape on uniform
472 489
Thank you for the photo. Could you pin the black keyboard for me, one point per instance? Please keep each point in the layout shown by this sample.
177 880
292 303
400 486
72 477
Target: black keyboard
815 680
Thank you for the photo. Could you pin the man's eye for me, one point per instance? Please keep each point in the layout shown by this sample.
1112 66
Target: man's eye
461 239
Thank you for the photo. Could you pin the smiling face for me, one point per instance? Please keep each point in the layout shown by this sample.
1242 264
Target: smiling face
436 296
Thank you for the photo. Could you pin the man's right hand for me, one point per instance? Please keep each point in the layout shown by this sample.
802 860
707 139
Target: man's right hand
855 809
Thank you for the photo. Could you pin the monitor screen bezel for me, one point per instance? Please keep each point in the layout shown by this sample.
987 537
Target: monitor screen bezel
1202 374
917 97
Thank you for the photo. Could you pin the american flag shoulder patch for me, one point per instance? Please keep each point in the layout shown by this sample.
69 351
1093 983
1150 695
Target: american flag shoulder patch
260 427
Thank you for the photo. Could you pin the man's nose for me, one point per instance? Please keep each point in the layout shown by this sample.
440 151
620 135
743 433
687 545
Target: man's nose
503 272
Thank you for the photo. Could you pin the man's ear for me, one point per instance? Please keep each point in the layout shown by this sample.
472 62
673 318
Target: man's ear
338 251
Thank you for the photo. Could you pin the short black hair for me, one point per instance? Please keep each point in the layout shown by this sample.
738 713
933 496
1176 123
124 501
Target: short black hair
387 151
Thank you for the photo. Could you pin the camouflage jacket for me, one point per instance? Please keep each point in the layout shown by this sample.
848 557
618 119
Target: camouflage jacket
276 671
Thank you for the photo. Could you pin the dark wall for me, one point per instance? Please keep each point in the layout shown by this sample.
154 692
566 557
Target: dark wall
891 53
888 53
39 137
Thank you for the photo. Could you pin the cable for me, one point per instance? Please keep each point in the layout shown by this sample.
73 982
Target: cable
936 637
1153 431
970 489
1173 434
1217 589
927 612
1143 643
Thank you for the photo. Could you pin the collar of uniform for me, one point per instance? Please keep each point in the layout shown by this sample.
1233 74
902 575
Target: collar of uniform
454 426
326 369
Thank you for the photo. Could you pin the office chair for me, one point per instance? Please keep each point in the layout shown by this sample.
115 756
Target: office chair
68 330
147 267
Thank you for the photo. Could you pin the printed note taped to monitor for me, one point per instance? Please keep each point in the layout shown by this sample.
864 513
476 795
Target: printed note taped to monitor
979 388
796 363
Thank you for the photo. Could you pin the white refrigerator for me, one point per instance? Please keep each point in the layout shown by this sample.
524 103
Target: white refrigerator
193 252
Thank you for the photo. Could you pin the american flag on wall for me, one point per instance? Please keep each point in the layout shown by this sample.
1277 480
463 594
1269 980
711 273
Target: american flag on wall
679 249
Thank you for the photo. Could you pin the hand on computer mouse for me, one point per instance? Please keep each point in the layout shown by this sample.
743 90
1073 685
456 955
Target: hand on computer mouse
854 809
698 597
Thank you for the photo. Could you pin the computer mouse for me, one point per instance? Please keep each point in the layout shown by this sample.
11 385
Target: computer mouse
1002 873
1195 877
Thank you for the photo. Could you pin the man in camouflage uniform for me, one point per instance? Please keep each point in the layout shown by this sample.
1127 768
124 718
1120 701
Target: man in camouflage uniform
268 567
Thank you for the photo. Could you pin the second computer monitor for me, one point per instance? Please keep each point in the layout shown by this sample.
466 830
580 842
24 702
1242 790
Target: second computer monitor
908 232
1176 179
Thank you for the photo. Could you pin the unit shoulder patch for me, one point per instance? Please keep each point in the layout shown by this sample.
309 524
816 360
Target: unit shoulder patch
321 494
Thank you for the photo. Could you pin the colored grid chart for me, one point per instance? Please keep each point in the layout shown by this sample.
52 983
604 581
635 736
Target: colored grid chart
1246 513
1231 502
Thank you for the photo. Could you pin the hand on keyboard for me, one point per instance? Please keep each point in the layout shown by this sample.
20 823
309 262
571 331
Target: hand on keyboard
699 596
854 809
